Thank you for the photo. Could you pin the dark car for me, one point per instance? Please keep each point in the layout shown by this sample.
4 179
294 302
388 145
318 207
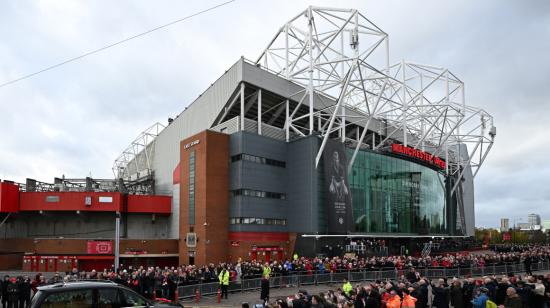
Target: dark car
91 294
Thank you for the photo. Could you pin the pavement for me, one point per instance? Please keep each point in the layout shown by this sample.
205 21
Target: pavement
253 297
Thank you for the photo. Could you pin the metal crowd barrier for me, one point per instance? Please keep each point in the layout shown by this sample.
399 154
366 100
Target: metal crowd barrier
205 289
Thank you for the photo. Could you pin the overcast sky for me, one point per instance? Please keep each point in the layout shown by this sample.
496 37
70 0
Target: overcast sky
76 119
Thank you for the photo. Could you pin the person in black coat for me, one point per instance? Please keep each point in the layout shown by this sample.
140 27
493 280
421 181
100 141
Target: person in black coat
501 291
457 295
524 291
527 264
5 290
492 287
421 294
441 295
468 292
12 293
411 275
264 293
24 292
371 297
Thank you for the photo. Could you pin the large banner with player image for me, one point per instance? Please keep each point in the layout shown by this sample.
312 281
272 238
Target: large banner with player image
337 190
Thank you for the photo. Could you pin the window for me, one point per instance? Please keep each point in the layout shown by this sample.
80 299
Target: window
258 193
132 299
108 298
192 188
105 199
69 299
257 221
52 198
258 160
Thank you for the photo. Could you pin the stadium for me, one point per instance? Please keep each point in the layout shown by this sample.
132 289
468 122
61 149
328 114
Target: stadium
320 139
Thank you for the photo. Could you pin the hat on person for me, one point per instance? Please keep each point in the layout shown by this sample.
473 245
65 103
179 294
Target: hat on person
484 290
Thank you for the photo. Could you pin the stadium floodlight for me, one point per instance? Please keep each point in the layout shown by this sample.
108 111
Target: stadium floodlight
341 55
137 158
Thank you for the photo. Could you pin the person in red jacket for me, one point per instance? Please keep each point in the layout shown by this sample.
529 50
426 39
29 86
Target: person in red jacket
35 283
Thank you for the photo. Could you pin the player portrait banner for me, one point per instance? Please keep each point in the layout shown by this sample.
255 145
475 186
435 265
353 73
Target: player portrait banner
337 190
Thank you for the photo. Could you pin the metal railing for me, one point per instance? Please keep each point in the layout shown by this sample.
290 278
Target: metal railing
205 289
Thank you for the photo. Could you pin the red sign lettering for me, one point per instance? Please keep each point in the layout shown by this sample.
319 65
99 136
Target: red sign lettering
412 152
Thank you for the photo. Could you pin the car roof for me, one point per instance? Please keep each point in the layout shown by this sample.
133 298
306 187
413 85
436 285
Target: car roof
74 285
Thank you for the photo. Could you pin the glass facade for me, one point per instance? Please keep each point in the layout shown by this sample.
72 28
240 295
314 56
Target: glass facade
392 195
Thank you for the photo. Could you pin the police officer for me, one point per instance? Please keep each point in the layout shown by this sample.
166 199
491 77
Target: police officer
347 288
224 281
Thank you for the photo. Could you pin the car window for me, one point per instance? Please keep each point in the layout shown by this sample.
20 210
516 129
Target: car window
108 298
36 298
132 299
69 299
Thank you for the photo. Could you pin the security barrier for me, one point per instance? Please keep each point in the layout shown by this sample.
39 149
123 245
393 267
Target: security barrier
205 289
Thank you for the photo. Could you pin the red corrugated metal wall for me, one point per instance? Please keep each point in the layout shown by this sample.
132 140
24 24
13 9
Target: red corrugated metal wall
9 197
71 201
150 204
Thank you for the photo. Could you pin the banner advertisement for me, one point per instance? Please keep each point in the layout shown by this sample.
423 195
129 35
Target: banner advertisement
337 190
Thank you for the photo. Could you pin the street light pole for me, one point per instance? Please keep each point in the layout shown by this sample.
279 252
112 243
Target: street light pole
117 241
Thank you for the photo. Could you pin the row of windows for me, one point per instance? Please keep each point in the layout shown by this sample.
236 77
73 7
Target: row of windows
87 200
258 194
192 188
259 160
257 221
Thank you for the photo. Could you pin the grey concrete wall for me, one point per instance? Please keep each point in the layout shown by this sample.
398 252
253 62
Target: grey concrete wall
174 219
300 181
303 186
468 194
85 225
251 175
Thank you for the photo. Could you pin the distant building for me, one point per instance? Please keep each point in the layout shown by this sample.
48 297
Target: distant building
523 226
545 225
533 219
504 224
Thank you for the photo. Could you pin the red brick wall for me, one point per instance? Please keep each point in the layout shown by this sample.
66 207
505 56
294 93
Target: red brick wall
79 246
211 197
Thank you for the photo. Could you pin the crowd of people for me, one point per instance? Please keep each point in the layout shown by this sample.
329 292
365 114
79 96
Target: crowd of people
162 282
413 291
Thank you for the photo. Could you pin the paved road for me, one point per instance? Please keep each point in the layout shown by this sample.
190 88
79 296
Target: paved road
253 297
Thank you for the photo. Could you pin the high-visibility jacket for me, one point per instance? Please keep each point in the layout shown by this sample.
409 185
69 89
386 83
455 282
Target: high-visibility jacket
224 277
394 302
347 287
266 271
408 301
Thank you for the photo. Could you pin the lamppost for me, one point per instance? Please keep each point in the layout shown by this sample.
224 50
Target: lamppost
117 241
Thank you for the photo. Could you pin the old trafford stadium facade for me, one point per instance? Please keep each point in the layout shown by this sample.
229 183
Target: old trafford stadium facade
321 138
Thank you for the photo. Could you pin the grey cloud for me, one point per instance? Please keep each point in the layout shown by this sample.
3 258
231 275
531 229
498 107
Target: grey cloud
78 118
